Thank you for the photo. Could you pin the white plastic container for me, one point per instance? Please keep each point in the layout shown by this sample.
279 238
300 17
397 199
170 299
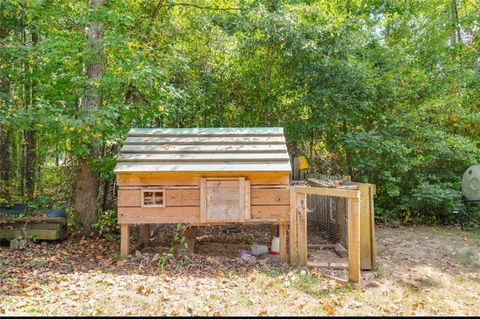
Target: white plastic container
275 246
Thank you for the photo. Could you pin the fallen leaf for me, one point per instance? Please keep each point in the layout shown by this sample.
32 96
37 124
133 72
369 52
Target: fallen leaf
329 309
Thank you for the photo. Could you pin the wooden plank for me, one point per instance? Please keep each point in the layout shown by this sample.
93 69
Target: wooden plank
174 197
301 203
186 179
261 221
29 225
154 215
365 228
283 241
129 198
270 212
203 200
124 239
353 240
41 234
241 199
293 228
182 197
270 196
373 243
33 219
214 131
202 140
230 148
199 157
253 166
346 193
248 214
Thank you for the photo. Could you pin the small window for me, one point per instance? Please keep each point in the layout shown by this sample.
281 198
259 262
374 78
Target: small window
153 198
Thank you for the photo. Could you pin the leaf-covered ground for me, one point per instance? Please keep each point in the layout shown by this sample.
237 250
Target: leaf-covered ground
422 271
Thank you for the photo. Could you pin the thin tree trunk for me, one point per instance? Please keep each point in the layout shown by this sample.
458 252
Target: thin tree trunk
29 135
456 35
5 133
87 186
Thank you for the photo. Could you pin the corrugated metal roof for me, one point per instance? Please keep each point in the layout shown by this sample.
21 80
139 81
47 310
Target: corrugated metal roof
204 150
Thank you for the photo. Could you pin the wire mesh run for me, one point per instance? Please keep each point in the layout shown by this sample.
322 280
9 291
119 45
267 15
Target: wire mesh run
216 240
327 234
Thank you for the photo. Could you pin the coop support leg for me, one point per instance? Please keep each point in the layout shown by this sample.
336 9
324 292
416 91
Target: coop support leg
354 239
124 239
302 229
292 243
283 241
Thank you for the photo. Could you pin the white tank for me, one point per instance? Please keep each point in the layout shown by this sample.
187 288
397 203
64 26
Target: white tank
471 183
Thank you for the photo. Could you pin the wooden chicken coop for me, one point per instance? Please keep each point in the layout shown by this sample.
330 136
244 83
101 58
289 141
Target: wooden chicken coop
220 176
203 176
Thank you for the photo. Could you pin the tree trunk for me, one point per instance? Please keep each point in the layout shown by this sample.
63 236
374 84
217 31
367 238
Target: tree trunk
456 35
87 186
5 134
29 135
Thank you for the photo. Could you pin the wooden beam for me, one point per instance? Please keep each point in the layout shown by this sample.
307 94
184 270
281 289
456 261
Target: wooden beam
365 228
156 215
270 212
186 178
242 199
373 243
353 240
337 192
273 196
203 200
293 228
283 241
124 239
41 234
301 201
248 200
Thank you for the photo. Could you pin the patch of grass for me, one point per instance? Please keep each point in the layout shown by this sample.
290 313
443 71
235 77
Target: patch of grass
468 258
475 235
117 256
315 285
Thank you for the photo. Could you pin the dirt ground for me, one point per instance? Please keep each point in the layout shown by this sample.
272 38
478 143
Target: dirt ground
421 271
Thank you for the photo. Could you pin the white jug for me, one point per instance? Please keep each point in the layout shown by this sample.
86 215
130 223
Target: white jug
275 246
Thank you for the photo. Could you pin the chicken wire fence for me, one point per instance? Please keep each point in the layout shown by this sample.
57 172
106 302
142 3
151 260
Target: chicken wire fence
327 233
215 240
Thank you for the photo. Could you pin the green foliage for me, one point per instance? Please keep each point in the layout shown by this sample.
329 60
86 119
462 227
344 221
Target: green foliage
378 90
107 225
179 240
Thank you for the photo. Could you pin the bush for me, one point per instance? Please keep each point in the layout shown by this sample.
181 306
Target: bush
107 225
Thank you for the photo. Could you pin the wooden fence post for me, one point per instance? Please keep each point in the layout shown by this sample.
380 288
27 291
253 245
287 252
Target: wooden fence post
353 239
302 228
293 227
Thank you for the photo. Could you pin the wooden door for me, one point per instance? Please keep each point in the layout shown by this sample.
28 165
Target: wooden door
223 200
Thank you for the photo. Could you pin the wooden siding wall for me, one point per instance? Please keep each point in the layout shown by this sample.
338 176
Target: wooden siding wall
269 197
